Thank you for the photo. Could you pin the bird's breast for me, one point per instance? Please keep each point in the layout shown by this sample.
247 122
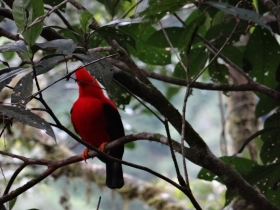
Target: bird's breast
89 120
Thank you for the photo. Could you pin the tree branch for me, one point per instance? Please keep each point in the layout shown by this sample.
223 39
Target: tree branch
201 154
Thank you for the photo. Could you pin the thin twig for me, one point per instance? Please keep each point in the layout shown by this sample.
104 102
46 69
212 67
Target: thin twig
2 172
12 179
5 126
184 105
173 49
179 176
99 201
183 134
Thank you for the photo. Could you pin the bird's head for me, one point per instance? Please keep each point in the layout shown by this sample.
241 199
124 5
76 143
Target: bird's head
88 85
83 78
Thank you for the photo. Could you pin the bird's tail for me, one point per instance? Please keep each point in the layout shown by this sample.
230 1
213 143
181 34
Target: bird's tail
114 175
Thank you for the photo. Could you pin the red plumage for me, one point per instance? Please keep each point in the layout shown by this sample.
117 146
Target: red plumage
96 119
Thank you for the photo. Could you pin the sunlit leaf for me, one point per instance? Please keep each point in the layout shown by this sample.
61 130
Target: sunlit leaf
24 13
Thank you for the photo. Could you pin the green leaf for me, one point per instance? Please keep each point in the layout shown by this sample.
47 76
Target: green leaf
186 39
266 179
24 13
219 33
130 145
179 71
158 9
27 117
218 72
118 7
22 90
69 34
264 65
95 40
205 174
197 60
6 75
241 13
265 62
120 97
101 70
12 203
110 6
118 35
17 46
85 20
47 63
158 39
151 55
145 52
271 140
266 104
235 54
242 165
61 46
172 91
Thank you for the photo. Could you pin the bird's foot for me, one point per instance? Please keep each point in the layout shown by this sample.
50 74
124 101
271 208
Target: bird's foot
102 146
85 154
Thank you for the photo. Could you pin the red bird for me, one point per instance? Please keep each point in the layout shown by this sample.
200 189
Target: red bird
97 120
